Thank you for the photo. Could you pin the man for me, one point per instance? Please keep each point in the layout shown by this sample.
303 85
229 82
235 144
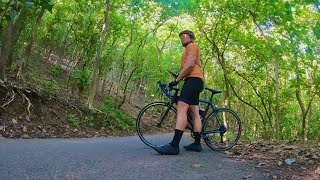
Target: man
192 75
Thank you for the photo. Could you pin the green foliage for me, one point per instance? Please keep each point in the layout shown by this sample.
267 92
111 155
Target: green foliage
81 77
29 4
110 118
51 86
48 5
316 30
73 120
251 36
55 70
121 119
251 138
177 7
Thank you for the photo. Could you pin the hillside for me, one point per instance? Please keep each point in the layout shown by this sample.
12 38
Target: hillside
30 110
41 106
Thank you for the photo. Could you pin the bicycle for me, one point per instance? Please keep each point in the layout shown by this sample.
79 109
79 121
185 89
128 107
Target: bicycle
221 128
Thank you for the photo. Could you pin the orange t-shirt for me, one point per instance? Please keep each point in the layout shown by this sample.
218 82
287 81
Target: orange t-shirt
192 49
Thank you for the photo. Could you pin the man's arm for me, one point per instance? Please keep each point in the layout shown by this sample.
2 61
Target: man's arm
187 68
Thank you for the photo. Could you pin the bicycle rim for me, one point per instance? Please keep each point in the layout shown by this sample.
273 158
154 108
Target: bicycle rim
148 126
217 139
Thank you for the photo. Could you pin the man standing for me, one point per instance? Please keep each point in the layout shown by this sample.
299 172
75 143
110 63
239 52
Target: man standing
191 74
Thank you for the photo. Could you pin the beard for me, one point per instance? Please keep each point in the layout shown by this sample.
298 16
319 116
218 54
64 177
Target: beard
186 43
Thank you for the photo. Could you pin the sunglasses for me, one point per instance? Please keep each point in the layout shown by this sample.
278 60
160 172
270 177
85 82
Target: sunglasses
183 36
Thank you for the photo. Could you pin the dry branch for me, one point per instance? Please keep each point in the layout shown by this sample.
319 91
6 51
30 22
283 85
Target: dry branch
11 88
29 103
10 99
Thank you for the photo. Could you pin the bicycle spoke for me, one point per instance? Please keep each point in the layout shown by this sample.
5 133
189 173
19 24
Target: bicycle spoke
155 122
222 129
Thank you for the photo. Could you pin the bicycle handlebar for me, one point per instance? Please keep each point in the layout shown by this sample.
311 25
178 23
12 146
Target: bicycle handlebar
175 75
165 88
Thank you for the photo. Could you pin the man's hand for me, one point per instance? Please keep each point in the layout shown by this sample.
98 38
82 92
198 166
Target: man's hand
173 83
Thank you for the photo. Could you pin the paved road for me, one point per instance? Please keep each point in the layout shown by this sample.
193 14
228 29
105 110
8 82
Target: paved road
111 158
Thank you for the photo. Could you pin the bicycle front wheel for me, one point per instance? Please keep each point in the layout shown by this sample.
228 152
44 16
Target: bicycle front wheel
222 129
156 123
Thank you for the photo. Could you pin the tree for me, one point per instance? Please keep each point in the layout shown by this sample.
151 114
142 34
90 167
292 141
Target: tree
95 78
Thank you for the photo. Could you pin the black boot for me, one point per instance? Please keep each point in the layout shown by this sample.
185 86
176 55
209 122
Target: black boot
196 146
193 147
167 149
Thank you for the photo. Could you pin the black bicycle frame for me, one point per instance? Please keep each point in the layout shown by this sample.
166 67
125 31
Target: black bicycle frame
174 99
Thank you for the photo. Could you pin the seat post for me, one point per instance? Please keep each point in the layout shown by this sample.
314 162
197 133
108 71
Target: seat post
211 96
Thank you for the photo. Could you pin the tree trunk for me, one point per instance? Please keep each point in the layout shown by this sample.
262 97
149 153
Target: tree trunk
95 78
30 45
130 96
276 72
277 116
123 59
5 50
222 61
4 14
16 32
125 88
226 80
298 93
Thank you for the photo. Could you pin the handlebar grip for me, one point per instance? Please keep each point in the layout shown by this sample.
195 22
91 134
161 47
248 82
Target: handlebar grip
163 85
175 75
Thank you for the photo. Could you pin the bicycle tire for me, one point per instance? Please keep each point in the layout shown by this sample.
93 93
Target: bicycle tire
147 124
216 140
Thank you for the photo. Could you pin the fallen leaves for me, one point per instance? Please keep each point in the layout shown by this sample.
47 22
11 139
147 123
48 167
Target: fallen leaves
14 121
289 159
290 147
317 171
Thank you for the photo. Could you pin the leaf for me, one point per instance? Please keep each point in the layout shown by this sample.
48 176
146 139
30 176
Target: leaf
290 147
11 16
14 121
24 129
316 30
29 4
317 171
48 6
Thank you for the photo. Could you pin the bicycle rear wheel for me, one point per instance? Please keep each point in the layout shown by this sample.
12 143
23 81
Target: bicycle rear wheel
155 123
222 129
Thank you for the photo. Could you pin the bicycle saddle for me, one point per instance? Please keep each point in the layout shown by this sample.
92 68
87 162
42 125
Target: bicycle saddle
213 90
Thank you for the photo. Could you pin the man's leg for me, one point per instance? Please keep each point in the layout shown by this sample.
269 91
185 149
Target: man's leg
181 123
173 147
197 126
182 110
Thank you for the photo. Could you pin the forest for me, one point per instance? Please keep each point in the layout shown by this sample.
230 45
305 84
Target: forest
263 54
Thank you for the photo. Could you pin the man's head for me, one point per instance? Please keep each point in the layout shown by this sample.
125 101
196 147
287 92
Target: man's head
186 37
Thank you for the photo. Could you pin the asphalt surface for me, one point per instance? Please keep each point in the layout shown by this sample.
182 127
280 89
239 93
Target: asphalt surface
112 158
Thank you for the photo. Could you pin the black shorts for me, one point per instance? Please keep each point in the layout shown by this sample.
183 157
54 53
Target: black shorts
191 90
